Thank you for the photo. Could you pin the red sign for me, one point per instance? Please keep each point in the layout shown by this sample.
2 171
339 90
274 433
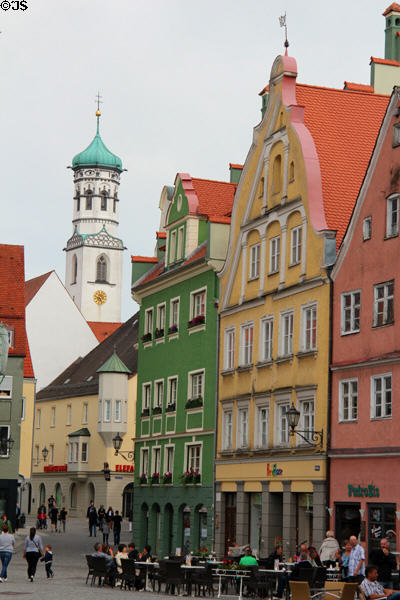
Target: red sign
55 468
125 468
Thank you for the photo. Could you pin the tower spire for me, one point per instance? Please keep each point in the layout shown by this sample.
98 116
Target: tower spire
283 23
98 101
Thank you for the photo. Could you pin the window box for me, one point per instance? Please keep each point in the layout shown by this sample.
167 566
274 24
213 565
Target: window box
191 477
159 333
143 479
194 402
146 337
157 410
146 412
200 320
155 478
173 329
171 407
167 478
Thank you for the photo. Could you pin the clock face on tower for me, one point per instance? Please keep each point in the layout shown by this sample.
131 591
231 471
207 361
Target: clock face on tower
100 297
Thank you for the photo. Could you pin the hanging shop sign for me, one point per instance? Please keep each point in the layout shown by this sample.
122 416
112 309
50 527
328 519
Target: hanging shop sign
359 491
273 471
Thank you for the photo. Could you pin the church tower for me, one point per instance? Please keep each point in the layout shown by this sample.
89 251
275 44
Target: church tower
93 274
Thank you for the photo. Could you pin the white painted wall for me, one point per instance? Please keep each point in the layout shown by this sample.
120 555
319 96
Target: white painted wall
57 331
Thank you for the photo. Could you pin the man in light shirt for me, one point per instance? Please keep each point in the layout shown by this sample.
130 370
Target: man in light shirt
356 560
373 590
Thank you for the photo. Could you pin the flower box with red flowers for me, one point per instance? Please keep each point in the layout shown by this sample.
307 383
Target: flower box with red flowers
143 478
199 320
146 337
173 329
155 478
167 478
159 333
191 476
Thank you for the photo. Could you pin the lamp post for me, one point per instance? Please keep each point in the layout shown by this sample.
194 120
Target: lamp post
310 436
45 454
128 455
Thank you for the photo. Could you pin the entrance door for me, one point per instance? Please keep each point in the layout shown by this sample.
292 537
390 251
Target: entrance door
230 520
381 524
347 520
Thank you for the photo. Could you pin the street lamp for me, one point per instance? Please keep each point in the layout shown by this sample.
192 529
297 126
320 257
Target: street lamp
128 455
45 453
311 436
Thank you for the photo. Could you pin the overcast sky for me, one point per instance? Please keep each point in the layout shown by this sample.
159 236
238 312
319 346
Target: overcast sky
180 82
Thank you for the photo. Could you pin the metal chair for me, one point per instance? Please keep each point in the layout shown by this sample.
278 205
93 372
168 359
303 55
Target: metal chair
128 575
90 567
175 577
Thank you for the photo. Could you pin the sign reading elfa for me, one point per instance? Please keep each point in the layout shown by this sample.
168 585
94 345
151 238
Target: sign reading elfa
274 471
125 468
367 492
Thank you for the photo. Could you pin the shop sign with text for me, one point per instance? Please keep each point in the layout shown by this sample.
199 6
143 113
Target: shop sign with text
359 491
125 468
273 471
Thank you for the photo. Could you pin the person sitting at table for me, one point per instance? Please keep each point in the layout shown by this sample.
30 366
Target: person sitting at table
277 554
110 563
248 559
372 589
146 554
133 554
302 563
314 557
303 549
122 553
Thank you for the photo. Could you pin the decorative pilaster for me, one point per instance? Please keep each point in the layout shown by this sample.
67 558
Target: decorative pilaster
288 519
283 256
285 171
262 264
319 511
242 514
244 270
219 520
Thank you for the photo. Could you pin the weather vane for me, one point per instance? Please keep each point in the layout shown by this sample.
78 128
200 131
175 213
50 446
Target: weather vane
98 101
283 23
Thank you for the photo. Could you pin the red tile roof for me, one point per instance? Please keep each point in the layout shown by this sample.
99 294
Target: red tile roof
28 367
220 220
144 259
384 61
200 252
153 274
394 7
266 89
357 87
103 330
344 125
235 166
32 286
12 295
161 235
215 197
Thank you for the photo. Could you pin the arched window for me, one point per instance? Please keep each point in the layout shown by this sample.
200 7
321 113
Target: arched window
276 175
89 200
101 270
42 494
78 201
73 495
103 203
74 269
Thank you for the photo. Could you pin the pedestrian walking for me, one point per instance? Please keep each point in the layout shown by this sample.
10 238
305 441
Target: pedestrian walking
48 561
92 516
327 551
117 520
101 513
33 550
54 518
106 531
7 544
62 517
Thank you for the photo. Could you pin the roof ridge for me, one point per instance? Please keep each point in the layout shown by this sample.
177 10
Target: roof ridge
213 180
322 87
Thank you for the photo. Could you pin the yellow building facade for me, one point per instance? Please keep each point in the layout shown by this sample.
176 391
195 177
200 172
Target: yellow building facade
274 337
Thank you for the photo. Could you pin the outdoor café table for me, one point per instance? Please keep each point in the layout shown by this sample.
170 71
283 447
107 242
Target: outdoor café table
147 566
188 572
333 574
241 573
276 573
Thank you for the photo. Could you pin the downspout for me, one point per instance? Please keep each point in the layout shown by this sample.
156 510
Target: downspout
216 422
329 404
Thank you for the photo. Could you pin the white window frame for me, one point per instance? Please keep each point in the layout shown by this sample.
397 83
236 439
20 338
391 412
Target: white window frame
296 235
69 414
144 463
306 344
146 402
6 387
169 401
262 406
350 398
367 228
149 320
7 451
23 408
51 454
242 434
158 383
229 348
193 295
172 247
286 336
246 346
279 419
118 413
167 448
307 418
266 343
386 299
192 374
171 311
38 417
53 416
179 245
155 451
188 447
274 254
392 215
385 413
107 411
351 309
227 427
86 459
255 254
85 413
161 315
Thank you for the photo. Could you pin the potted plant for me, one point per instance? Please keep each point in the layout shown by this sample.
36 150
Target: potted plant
143 478
157 410
167 477
155 478
146 337
145 412
194 402
199 320
173 329
190 476
159 333
171 407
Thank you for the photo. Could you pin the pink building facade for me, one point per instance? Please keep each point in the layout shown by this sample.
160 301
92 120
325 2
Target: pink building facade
365 408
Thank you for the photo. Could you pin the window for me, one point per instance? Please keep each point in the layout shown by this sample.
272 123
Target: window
74 269
161 317
174 313
85 413
309 327
392 216
193 458
287 334
101 269
348 400
262 426
38 417
88 200
255 261
179 252
351 309
51 457
381 396
283 426
146 396
307 418
107 411
53 416
117 416
4 436
69 411
156 456
267 332
243 427
23 405
78 201
36 450
159 394
172 390
198 308
295 246
115 200
367 228
274 254
84 452
276 174
145 461
6 387
148 321
103 201
172 246
227 429
384 303
196 384
169 459
247 334
229 353
396 127
11 337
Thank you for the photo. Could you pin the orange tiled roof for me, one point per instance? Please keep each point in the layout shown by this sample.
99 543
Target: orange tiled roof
28 367
266 89
12 294
344 125
358 87
235 166
154 273
394 7
103 330
32 286
215 197
144 259
161 235
385 61
220 220
200 252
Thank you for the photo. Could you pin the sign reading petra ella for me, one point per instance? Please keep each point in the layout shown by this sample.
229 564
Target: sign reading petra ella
370 491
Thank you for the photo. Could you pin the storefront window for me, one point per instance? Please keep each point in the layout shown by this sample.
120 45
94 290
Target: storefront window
348 520
381 524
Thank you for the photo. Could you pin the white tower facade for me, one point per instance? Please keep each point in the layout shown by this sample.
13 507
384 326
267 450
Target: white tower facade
94 252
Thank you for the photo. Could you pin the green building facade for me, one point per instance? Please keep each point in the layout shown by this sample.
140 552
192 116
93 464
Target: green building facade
177 364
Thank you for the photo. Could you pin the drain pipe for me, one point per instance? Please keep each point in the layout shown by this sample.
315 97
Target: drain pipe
215 422
329 403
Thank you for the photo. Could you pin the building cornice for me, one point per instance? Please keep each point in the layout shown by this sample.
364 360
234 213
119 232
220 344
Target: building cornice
172 277
256 457
186 434
370 362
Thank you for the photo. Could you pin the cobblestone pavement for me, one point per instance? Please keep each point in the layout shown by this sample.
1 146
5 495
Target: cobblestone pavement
69 564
